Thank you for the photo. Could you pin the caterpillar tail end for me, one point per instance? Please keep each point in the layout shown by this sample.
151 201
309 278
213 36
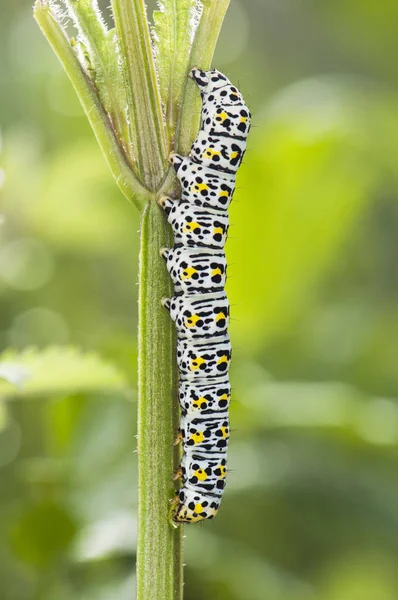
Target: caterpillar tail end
192 507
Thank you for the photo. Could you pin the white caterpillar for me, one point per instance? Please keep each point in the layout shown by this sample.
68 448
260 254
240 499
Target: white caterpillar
200 308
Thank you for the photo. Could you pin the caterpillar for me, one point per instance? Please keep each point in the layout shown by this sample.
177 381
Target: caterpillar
200 307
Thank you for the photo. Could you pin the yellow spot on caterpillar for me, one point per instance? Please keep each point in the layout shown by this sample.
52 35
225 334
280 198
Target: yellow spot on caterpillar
222 116
218 230
198 508
243 119
191 321
200 403
201 474
233 155
191 227
197 437
196 363
210 153
188 272
218 318
224 193
224 397
199 187
224 432
216 272
223 471
222 359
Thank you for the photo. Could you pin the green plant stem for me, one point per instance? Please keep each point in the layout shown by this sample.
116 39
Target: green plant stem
202 53
144 106
159 551
92 106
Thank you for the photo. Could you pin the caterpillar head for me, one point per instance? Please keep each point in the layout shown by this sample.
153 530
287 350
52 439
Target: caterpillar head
208 81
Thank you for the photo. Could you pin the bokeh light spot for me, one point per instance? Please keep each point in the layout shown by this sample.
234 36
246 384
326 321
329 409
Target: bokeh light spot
378 422
25 264
38 327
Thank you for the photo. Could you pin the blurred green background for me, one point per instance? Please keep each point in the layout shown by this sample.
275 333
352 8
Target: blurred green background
311 508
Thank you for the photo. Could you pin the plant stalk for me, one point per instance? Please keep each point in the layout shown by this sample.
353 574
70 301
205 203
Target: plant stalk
159 551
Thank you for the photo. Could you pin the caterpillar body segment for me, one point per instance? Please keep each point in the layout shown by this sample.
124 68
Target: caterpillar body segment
200 308
202 316
226 120
205 473
209 434
202 186
194 226
197 359
204 397
221 153
196 270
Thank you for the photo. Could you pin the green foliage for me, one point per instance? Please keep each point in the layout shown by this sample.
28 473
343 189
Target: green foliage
43 534
313 188
56 371
92 220
49 19
310 508
3 409
174 24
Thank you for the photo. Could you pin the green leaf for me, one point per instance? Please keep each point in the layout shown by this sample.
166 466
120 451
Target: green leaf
98 53
175 22
48 19
56 371
144 110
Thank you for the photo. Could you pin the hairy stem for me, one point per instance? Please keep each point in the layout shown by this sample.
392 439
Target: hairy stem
159 552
